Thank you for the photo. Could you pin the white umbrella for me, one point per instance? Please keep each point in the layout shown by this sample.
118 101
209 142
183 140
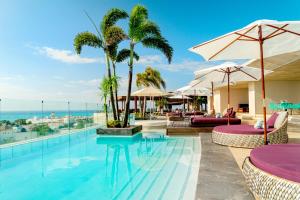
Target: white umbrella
262 38
275 62
190 90
179 97
227 72
149 91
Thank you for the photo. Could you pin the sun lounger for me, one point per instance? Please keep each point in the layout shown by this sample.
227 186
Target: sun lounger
247 136
273 172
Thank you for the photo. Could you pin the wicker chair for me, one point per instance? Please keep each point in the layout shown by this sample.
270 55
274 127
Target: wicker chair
276 136
267 186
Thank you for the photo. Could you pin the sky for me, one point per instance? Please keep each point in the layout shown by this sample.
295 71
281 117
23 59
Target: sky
37 58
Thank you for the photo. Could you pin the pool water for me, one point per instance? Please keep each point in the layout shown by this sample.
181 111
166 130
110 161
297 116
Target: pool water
86 166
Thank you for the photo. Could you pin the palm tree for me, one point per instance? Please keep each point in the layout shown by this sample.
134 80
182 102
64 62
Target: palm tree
108 35
105 87
142 30
151 77
118 57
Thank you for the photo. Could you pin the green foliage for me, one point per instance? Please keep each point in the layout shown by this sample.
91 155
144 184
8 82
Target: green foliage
114 35
114 124
202 100
161 103
111 18
86 39
150 77
42 129
160 44
137 16
20 122
125 54
5 122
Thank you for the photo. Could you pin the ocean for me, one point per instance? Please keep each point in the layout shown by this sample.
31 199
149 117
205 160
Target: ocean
14 115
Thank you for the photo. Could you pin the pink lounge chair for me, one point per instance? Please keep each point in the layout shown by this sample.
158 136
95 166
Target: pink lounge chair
273 171
247 136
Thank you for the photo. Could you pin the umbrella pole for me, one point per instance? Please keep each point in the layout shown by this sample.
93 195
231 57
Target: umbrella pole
228 96
263 83
212 99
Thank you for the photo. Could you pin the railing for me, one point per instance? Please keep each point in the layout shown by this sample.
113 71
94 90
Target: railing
29 119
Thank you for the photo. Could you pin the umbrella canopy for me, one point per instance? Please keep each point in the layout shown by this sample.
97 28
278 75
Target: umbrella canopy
190 90
149 91
279 37
219 74
275 62
179 97
226 72
262 38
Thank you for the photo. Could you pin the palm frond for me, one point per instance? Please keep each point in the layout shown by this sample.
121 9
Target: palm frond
105 86
160 44
124 54
137 17
111 18
149 28
112 51
86 39
114 35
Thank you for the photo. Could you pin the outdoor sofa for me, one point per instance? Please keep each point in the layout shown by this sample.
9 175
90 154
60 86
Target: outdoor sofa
247 136
273 172
211 121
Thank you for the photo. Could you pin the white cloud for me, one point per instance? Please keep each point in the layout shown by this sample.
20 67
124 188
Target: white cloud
184 65
150 59
66 56
87 83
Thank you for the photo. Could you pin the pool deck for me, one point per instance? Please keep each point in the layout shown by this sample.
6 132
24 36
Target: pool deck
219 174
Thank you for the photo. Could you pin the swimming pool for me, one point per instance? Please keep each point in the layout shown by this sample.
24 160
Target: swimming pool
87 166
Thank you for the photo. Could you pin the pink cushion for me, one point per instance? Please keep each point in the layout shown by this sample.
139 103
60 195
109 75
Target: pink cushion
213 121
240 129
282 160
272 119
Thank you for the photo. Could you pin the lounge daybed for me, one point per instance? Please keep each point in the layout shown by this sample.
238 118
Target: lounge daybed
212 121
273 171
247 136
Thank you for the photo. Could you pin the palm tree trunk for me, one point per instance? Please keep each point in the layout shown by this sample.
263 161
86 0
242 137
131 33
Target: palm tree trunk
111 89
105 110
129 86
144 109
116 92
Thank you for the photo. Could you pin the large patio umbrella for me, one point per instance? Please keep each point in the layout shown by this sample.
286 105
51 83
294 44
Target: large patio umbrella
262 38
195 91
200 84
151 92
226 73
189 90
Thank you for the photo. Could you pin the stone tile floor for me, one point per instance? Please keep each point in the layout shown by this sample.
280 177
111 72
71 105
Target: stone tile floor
219 175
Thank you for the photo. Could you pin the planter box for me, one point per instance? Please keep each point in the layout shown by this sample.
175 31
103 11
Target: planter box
120 131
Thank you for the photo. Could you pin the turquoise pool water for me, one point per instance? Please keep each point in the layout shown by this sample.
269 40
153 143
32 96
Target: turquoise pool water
86 166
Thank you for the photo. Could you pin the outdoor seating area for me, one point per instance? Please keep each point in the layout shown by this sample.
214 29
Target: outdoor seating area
273 172
248 136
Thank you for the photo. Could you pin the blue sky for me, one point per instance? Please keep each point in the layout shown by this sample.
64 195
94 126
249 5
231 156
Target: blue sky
37 59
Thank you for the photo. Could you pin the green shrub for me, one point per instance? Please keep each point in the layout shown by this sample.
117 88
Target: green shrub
42 129
114 124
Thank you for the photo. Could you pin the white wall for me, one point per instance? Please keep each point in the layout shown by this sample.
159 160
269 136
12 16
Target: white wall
276 91
237 96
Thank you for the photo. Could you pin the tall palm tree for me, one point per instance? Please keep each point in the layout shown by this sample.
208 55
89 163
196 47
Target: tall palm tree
150 77
108 35
142 30
118 57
